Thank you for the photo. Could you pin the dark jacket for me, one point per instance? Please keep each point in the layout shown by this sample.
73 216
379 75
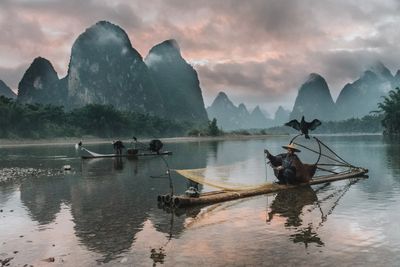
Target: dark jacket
304 172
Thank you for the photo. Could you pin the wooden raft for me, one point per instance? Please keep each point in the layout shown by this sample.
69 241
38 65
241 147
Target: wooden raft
221 196
141 154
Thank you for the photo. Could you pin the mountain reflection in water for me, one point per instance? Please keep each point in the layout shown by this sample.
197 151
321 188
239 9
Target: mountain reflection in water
105 211
109 203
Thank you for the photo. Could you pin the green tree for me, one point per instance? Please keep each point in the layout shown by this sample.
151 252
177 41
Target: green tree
390 107
213 128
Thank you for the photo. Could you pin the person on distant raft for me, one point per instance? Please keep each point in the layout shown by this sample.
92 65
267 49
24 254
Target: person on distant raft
288 168
118 146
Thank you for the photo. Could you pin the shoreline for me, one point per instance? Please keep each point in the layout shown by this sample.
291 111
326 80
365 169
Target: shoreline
95 140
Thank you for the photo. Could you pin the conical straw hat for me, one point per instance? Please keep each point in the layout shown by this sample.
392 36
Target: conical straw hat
291 146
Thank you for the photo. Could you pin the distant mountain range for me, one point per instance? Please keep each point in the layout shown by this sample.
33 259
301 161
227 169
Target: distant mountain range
231 117
355 100
104 68
313 100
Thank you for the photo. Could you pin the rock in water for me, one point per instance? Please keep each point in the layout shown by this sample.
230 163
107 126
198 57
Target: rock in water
67 167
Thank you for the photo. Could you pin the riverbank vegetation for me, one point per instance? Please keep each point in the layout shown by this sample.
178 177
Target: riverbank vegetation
389 109
210 130
36 121
48 121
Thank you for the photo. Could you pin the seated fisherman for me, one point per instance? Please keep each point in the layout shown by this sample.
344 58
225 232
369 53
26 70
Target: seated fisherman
288 167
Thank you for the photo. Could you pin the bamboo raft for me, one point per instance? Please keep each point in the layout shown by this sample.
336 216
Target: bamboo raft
136 154
225 195
140 154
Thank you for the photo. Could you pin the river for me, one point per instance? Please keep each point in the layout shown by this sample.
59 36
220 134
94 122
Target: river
105 211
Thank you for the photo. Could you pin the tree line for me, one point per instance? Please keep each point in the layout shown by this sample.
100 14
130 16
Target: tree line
46 121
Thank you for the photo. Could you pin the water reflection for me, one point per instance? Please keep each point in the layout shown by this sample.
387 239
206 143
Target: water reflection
6 192
118 164
307 236
393 154
110 199
172 223
113 207
106 215
290 203
109 211
157 255
43 197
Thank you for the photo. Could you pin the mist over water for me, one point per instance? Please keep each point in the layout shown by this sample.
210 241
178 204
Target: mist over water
105 211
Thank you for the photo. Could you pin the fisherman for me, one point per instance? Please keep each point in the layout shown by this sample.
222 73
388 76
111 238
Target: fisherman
118 146
288 167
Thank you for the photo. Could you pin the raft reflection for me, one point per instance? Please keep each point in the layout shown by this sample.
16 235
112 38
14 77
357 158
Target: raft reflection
292 204
289 203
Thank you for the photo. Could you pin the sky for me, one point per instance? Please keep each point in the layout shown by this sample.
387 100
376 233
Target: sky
259 52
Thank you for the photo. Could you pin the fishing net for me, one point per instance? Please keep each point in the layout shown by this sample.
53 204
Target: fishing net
220 181
313 151
227 177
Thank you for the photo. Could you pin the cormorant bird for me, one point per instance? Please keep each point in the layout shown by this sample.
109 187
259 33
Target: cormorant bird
304 126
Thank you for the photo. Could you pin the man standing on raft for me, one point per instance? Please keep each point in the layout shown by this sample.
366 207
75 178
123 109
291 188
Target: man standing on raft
288 168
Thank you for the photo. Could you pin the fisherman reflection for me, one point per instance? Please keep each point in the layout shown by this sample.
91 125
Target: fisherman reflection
290 203
118 163
157 255
306 236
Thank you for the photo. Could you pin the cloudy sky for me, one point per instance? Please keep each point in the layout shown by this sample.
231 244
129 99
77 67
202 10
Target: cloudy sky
258 51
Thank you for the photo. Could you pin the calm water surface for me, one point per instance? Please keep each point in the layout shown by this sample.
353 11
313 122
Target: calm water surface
104 211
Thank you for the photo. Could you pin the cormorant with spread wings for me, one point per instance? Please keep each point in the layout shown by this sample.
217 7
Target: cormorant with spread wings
304 126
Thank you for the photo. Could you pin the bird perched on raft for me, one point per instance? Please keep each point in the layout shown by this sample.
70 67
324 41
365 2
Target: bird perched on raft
304 126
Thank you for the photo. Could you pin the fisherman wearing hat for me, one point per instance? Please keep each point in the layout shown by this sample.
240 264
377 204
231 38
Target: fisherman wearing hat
288 167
